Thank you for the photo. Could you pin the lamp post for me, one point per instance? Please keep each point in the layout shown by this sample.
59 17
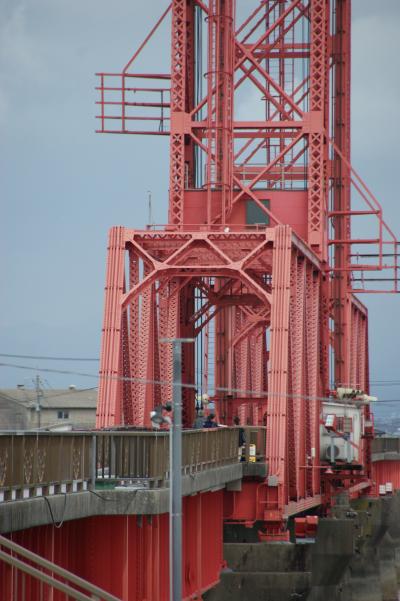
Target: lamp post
38 406
175 486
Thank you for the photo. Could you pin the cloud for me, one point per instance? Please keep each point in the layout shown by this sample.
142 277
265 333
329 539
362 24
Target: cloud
375 83
21 61
18 51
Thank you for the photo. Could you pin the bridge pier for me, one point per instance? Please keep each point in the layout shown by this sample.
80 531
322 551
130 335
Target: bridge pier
353 558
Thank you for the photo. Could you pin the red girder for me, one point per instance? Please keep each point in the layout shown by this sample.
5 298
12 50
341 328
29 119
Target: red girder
126 555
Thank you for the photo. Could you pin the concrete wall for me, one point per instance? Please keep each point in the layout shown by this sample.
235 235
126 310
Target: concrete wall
355 557
263 572
12 416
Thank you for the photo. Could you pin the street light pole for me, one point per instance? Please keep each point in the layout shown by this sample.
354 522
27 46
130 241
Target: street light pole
175 458
176 476
38 404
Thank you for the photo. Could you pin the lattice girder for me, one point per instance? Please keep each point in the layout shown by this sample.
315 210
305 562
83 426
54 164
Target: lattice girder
257 274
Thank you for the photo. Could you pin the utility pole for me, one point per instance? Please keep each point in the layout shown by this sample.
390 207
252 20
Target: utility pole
39 394
175 459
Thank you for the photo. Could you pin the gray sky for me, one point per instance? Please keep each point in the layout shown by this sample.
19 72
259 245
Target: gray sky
63 186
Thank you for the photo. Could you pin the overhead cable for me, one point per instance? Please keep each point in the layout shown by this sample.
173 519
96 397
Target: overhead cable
380 382
49 358
266 393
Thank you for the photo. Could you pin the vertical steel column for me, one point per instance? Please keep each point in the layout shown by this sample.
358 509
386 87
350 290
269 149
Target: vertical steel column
259 359
341 190
317 154
178 105
125 370
134 319
313 317
155 363
168 328
191 58
147 352
294 374
186 331
298 365
276 451
220 107
367 456
110 390
222 333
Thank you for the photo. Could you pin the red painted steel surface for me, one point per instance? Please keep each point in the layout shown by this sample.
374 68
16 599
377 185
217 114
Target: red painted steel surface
268 297
384 472
127 556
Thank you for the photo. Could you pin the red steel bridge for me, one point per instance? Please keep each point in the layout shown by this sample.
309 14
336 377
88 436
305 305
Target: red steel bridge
272 236
271 239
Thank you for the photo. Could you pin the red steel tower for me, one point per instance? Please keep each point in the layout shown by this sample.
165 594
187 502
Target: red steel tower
262 254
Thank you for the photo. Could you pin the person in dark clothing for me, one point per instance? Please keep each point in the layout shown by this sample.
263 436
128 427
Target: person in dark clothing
242 437
210 421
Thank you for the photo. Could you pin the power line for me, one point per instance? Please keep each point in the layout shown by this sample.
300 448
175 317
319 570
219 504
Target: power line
49 358
96 359
266 393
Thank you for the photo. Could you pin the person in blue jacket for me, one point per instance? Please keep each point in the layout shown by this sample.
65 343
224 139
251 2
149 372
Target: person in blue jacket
210 421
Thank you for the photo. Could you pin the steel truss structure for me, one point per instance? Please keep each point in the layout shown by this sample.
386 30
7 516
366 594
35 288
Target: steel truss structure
258 261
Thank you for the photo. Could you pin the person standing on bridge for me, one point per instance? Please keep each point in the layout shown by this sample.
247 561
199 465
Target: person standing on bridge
242 437
210 421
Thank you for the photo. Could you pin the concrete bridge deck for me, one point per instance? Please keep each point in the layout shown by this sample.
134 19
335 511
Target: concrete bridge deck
50 477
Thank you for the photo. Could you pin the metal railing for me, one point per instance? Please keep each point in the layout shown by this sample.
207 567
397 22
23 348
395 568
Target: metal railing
35 464
128 104
233 228
386 445
145 456
43 463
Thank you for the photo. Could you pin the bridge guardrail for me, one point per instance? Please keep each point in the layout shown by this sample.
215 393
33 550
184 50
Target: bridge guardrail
43 463
386 445
145 456
35 464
